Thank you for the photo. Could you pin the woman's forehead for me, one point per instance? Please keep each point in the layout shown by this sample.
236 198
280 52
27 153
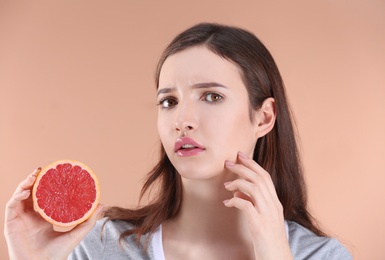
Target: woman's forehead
197 64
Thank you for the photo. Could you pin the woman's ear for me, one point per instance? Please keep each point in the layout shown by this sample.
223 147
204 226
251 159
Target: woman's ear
265 117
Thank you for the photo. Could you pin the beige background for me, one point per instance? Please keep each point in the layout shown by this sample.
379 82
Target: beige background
76 81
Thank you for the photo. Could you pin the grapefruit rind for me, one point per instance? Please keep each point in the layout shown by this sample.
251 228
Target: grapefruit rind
60 226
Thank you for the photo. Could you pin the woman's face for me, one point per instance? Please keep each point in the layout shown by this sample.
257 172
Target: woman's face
203 116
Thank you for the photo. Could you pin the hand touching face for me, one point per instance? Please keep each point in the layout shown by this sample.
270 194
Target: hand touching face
256 197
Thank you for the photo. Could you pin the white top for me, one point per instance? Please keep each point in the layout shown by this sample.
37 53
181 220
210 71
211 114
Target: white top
157 244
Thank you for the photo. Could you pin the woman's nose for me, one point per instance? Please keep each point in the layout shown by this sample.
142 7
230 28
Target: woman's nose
186 119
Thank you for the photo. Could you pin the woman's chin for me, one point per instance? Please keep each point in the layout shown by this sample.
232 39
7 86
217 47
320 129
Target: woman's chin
205 174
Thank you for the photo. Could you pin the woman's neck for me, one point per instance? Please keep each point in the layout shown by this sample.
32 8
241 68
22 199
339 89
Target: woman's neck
203 217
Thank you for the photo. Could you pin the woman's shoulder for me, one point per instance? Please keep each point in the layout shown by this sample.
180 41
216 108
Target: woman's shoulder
102 242
112 227
304 244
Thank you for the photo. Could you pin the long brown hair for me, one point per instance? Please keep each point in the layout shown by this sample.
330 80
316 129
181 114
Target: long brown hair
276 152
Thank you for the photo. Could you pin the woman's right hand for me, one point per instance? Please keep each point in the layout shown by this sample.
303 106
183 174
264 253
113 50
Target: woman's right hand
29 236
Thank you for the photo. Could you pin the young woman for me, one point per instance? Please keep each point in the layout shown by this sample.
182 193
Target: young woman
229 176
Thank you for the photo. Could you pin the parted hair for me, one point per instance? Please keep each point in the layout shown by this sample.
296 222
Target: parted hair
276 152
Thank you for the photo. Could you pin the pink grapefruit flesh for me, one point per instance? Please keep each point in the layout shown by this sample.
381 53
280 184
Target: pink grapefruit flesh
66 193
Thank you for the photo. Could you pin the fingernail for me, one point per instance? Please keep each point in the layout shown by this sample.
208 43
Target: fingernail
243 155
229 163
227 183
226 202
35 172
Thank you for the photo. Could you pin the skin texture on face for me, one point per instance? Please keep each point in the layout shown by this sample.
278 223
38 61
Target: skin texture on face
202 94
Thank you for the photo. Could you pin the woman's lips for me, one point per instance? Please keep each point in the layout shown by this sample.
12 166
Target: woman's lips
185 146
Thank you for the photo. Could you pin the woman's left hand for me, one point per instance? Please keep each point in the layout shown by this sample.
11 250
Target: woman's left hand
255 195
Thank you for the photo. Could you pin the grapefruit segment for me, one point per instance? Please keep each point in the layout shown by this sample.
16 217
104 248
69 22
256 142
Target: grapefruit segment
65 194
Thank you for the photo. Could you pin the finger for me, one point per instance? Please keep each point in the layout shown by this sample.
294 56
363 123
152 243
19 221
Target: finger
244 205
28 182
22 192
262 174
259 196
72 238
80 231
262 191
248 171
251 177
83 228
256 221
17 197
99 213
241 195
242 171
256 168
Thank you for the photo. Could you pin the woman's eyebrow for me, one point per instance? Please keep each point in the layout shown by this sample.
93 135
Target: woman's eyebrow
165 90
198 85
209 85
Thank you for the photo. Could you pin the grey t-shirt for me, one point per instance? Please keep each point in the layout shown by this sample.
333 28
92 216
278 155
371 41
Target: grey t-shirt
96 245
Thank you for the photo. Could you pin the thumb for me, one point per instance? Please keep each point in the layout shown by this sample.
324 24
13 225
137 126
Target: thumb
89 223
74 236
82 229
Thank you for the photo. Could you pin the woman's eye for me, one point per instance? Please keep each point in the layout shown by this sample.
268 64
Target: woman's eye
213 97
167 102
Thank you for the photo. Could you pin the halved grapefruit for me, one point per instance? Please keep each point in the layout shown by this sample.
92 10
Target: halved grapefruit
66 193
